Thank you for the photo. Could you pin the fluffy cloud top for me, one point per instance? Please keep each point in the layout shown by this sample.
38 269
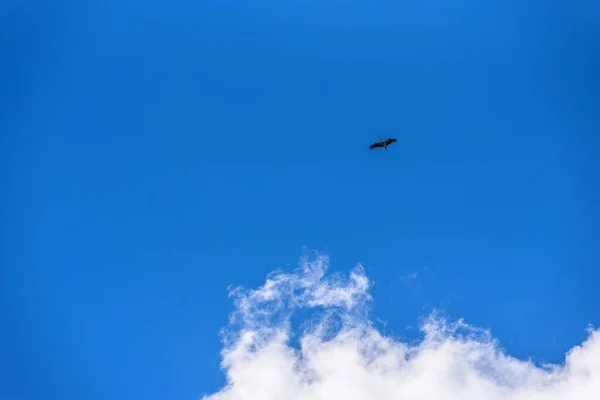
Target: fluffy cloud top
341 356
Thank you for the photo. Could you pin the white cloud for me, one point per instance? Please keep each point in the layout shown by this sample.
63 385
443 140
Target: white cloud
342 357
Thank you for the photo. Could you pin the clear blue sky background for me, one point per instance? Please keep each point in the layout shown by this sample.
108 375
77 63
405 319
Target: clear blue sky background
154 153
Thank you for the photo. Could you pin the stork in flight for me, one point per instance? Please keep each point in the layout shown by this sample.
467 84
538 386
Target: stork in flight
383 143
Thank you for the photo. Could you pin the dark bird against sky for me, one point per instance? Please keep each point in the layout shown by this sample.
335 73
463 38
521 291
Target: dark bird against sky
383 143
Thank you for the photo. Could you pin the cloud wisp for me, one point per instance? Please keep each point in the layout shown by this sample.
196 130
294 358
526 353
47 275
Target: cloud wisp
340 355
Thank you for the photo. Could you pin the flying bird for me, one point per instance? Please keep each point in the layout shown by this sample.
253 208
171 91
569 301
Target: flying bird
383 143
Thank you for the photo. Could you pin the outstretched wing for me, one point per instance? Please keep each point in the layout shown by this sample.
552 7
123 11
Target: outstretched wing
376 144
391 140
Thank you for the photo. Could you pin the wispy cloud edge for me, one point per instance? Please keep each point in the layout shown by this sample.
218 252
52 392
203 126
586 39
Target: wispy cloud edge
342 356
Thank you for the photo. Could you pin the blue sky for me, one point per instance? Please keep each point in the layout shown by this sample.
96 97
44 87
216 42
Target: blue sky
154 153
